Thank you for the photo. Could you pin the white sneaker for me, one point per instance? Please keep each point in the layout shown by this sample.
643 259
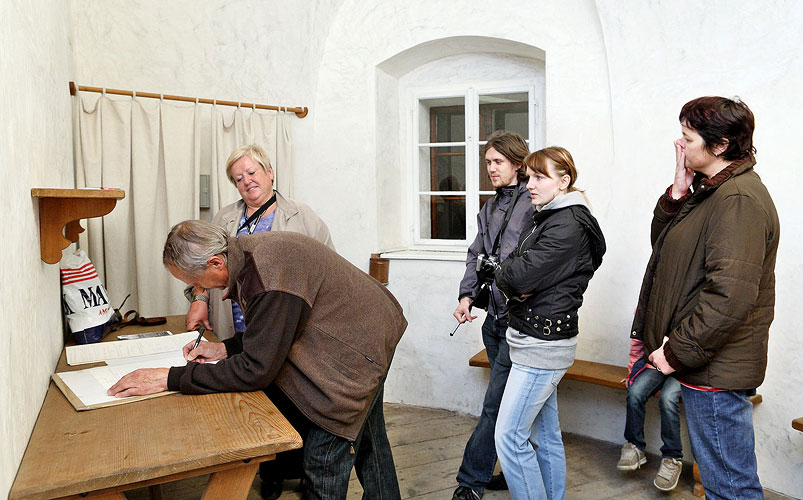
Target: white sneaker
668 474
632 458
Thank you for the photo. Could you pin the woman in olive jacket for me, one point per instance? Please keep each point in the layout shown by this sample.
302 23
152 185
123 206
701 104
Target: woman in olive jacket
544 279
708 295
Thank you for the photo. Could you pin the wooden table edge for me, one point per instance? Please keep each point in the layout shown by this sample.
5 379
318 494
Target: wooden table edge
212 470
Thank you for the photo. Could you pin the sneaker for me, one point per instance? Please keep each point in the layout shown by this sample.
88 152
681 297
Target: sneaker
497 483
668 474
465 493
632 458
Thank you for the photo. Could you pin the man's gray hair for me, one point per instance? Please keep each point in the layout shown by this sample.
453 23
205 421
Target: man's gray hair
190 245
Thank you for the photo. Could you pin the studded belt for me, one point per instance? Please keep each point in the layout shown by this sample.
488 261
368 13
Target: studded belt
564 325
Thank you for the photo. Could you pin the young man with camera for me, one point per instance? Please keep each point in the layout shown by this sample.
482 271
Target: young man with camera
499 224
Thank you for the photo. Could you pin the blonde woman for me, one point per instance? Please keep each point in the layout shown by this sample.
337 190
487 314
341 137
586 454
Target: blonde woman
544 280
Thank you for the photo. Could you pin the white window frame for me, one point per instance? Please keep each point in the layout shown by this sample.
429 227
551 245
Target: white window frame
471 94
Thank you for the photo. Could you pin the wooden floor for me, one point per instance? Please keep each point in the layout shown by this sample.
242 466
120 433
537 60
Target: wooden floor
428 447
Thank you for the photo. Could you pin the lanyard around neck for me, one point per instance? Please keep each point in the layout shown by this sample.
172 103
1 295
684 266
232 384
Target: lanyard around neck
251 222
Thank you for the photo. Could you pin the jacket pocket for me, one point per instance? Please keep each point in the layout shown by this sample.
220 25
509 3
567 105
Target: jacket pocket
343 379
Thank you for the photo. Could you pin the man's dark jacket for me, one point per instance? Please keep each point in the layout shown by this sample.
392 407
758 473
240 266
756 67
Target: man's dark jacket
489 222
320 328
710 282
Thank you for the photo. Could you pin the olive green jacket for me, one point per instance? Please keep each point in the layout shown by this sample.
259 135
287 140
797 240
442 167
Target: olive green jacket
710 282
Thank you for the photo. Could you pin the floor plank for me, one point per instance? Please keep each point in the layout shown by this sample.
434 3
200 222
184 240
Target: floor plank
427 450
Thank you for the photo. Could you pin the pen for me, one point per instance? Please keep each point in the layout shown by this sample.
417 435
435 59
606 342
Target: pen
201 331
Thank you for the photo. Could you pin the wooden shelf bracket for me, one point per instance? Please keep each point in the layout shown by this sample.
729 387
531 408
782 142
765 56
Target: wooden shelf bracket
60 211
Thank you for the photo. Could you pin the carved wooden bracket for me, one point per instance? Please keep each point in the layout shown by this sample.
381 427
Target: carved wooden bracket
60 211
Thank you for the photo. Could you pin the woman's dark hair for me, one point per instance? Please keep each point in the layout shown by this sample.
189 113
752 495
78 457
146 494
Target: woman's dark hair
717 118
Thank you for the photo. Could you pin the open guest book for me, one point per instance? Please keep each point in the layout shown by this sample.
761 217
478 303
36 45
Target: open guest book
86 388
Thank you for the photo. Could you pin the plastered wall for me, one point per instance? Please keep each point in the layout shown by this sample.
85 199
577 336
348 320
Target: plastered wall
35 151
615 76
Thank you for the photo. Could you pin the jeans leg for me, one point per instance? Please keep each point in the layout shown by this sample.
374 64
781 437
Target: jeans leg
721 434
527 392
669 405
479 457
489 339
327 465
642 388
548 443
374 462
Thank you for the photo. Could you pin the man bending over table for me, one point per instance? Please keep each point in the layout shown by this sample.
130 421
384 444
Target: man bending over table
319 328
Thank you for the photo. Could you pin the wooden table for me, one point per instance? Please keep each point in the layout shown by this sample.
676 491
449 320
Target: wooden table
98 454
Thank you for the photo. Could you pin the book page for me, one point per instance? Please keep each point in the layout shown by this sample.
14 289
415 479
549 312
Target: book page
90 385
104 351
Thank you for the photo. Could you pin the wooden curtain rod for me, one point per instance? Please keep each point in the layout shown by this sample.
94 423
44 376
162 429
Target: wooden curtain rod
300 112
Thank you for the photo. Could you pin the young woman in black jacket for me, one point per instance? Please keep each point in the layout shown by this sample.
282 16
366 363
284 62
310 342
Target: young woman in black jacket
544 280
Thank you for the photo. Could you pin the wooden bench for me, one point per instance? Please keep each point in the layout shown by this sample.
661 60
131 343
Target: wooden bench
798 424
584 371
612 376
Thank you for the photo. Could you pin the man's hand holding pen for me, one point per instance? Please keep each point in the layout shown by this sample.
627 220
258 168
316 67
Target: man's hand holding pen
204 352
207 351
152 380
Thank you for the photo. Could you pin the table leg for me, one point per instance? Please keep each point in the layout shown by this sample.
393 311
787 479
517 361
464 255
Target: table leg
155 491
231 484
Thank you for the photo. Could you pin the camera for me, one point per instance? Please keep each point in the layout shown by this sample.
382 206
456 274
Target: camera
486 267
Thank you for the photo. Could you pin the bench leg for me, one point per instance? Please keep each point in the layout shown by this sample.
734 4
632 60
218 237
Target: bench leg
698 490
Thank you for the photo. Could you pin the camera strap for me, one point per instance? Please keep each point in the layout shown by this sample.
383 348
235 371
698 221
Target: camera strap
507 218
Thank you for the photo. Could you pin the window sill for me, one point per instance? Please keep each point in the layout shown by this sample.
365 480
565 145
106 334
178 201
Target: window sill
453 255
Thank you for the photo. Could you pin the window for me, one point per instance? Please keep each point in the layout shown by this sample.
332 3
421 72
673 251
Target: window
449 178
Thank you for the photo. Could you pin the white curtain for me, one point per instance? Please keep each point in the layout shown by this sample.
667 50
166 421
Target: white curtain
235 127
151 149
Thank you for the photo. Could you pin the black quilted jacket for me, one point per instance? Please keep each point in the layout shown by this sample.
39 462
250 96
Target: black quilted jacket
545 277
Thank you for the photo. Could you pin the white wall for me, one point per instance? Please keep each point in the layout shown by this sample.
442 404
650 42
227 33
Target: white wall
660 56
616 75
35 151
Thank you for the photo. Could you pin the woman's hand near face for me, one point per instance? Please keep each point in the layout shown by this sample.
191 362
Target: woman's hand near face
683 176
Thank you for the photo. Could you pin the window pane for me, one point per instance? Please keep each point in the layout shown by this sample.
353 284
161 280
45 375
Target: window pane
484 198
442 120
504 112
442 168
442 217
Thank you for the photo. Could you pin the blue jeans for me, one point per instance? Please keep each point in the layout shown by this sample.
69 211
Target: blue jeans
479 457
721 435
328 460
645 385
528 439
